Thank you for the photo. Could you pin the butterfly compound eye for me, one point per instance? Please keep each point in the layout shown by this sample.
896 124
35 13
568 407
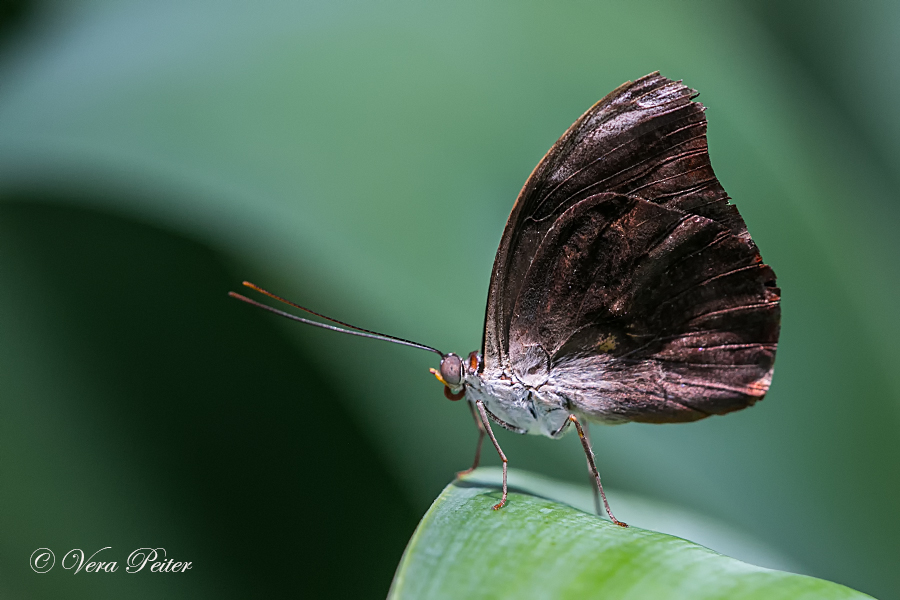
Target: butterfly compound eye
451 369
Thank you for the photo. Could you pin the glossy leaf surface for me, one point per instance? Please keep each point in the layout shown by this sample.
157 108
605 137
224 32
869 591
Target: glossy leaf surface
539 548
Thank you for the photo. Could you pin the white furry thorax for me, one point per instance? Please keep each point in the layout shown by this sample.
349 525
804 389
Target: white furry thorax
536 410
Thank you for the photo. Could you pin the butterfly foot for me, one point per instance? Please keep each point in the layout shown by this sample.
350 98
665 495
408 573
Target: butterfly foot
620 523
461 474
499 505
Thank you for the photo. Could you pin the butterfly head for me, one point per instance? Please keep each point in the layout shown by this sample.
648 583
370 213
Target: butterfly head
454 371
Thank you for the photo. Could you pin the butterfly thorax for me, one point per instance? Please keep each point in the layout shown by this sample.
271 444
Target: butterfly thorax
517 406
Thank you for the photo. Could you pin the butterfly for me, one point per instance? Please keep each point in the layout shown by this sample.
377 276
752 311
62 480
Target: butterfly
626 286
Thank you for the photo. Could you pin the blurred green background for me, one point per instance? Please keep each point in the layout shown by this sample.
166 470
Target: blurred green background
362 157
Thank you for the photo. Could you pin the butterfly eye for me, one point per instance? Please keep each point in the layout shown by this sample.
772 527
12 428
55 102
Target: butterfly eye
451 369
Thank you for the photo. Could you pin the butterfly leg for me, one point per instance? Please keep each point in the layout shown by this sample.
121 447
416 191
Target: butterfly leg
594 488
478 447
590 458
487 425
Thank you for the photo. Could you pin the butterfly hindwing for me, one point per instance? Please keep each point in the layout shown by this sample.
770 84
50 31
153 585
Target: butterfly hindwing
645 313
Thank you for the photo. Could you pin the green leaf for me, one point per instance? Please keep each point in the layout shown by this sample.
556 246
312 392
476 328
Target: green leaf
536 547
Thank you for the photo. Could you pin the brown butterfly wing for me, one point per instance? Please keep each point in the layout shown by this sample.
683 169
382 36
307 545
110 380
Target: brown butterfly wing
624 277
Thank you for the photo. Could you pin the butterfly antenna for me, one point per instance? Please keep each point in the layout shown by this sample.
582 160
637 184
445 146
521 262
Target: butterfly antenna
353 329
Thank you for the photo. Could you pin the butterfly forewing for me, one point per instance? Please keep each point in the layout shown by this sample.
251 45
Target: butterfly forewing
625 278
